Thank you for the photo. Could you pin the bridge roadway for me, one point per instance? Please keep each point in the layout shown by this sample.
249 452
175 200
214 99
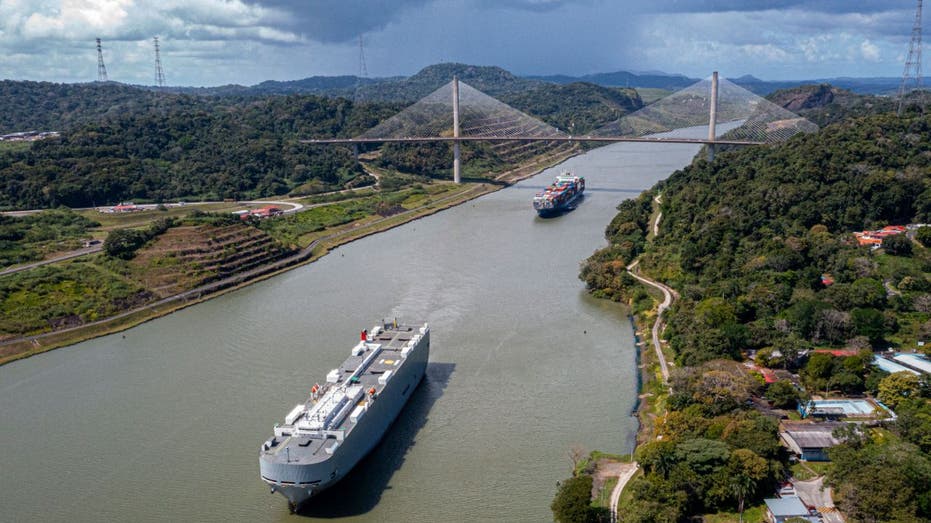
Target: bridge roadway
567 138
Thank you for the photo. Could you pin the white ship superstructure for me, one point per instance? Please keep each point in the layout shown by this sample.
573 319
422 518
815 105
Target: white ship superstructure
324 437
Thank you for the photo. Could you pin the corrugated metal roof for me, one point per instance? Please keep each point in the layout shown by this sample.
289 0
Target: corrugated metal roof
813 439
786 507
891 366
914 360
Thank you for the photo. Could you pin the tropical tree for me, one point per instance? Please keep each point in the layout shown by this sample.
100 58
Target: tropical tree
782 394
897 387
745 471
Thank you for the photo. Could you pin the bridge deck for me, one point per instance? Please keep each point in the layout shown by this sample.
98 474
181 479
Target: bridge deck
607 139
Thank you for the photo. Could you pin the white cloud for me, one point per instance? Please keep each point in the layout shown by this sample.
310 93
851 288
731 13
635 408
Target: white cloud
869 51
247 41
68 20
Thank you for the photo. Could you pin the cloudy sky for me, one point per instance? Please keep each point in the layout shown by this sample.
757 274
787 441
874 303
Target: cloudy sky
213 42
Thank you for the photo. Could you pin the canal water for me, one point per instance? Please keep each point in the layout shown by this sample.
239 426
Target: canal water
164 422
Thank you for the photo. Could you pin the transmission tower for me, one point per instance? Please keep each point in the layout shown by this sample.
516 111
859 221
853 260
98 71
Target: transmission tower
159 74
101 69
912 62
363 71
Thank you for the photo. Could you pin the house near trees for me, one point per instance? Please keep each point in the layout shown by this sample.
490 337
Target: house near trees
780 510
809 441
875 238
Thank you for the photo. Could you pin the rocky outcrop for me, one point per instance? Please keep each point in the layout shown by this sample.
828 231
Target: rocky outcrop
804 97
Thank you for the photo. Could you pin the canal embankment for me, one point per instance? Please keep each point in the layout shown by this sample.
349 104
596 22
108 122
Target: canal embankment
25 346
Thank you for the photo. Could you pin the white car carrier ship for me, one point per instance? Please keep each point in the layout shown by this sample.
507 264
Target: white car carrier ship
324 437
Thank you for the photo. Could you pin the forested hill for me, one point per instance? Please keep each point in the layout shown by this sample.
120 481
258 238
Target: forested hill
185 147
825 104
759 226
576 108
759 244
493 81
344 86
28 106
122 143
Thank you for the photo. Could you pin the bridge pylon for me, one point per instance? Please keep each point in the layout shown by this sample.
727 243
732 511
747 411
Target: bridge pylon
713 115
457 161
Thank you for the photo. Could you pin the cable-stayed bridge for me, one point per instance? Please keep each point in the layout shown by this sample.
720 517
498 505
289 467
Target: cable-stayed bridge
459 113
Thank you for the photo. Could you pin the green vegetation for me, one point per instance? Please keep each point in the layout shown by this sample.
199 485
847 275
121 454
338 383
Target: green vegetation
187 147
750 236
898 388
710 454
759 244
134 270
491 80
577 108
572 503
825 105
879 477
299 229
123 143
806 470
846 374
750 515
51 298
782 395
651 94
32 237
123 243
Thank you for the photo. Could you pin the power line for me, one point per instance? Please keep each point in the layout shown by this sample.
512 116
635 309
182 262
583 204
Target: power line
363 71
913 61
101 68
159 74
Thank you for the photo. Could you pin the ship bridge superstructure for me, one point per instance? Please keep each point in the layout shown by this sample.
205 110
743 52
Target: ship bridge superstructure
334 409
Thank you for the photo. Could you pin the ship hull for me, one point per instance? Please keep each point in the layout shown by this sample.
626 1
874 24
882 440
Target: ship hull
566 206
298 482
561 196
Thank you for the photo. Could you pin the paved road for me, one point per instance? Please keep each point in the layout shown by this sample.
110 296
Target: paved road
235 279
73 254
658 326
668 295
292 207
658 199
813 493
627 472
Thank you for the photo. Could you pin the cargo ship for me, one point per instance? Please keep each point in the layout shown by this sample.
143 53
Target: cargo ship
322 439
560 196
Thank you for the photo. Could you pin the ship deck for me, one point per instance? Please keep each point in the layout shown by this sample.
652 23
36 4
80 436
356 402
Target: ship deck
364 370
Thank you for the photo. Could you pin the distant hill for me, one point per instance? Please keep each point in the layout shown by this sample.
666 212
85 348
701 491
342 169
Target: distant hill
624 79
121 142
493 81
876 85
26 105
576 108
344 86
825 104
497 81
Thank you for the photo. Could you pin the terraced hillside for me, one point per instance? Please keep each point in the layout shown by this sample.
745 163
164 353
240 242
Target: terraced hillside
184 257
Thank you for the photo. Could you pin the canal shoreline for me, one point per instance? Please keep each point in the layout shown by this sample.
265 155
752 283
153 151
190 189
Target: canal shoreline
27 346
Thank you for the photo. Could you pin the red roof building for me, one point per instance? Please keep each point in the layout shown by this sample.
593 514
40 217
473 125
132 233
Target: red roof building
841 353
265 212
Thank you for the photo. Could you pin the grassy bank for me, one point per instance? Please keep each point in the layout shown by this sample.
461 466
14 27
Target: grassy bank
321 230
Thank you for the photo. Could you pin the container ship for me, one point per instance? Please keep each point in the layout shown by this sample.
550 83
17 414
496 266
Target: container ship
323 438
560 196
